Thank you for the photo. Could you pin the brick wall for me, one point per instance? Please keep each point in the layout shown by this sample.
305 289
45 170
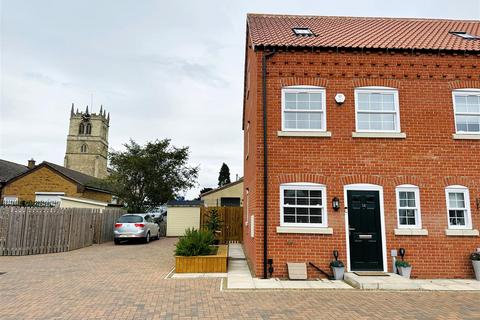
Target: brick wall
429 157
47 180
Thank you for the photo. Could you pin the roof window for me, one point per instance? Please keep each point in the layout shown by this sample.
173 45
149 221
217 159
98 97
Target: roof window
303 32
465 35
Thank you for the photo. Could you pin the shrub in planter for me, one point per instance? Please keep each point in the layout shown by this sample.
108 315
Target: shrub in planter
338 269
475 257
214 223
195 243
404 268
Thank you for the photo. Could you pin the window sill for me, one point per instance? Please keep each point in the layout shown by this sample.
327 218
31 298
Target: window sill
304 230
320 134
411 232
389 135
465 136
462 232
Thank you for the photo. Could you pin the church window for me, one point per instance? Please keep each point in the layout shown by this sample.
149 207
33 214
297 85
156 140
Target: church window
83 148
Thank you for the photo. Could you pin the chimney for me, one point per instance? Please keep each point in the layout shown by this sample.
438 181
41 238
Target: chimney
31 164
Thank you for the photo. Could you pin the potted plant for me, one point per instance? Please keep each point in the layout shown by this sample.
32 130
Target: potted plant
475 257
214 224
404 268
338 269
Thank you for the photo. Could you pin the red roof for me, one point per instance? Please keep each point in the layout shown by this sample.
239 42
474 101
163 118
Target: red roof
357 32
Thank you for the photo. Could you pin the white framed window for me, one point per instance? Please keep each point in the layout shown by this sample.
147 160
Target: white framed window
377 109
248 139
303 109
466 105
252 226
10 199
408 207
303 205
458 207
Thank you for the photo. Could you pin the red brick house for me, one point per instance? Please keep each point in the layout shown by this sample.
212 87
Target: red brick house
362 135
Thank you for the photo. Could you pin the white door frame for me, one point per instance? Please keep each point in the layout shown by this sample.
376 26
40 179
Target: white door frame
365 187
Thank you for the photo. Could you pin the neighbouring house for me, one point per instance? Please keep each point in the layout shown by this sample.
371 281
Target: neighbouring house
47 182
229 195
181 215
9 170
361 135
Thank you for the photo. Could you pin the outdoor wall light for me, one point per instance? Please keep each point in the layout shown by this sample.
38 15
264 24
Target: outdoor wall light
401 252
336 203
339 98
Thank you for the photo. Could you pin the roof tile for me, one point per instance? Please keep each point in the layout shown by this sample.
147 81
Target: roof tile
363 32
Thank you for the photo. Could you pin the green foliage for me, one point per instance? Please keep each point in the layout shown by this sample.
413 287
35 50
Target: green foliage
475 256
337 264
224 175
402 264
195 243
148 176
214 223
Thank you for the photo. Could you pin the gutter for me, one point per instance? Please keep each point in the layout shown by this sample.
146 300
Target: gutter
265 162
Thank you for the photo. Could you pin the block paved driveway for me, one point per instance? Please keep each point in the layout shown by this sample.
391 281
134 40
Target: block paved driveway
127 282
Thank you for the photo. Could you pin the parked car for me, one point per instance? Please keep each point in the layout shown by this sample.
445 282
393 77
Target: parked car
135 226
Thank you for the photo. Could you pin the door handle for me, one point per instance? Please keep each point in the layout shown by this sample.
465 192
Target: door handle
365 236
351 229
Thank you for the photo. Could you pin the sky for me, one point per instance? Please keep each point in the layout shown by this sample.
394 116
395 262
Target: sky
163 69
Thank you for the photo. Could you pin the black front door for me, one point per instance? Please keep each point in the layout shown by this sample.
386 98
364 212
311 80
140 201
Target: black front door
365 230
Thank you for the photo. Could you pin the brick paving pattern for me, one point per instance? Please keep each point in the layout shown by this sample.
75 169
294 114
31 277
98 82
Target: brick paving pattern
128 282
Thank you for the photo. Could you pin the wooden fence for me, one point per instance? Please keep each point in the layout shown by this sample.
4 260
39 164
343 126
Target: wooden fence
25 231
232 222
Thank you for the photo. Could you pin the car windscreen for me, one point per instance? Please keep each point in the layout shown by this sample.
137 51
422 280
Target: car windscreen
130 219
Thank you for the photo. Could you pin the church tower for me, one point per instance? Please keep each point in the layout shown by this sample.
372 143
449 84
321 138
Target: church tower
87 142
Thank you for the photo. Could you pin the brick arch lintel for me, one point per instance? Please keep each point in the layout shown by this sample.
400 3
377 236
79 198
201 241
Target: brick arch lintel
362 178
303 177
459 84
303 81
375 82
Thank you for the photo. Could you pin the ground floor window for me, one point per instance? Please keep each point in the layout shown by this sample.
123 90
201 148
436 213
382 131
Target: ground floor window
303 205
458 207
408 206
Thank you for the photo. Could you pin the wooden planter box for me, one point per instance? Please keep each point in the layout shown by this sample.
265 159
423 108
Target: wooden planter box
203 264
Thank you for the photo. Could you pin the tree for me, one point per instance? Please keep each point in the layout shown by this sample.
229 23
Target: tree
224 175
148 176
206 189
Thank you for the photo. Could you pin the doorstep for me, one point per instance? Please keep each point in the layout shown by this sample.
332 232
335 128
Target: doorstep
390 282
397 282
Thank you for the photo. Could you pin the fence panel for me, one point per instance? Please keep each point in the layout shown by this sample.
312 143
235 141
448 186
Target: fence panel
27 230
232 222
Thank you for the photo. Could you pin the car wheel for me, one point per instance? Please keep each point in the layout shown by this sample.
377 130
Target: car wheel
116 241
147 238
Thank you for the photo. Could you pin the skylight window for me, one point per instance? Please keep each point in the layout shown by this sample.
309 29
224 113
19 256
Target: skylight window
465 35
303 31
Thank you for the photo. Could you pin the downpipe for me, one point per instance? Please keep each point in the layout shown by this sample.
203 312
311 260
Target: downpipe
265 57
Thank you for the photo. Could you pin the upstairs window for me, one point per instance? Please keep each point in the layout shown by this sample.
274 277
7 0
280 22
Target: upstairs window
303 205
458 207
466 103
408 206
303 109
88 129
81 128
377 109
83 148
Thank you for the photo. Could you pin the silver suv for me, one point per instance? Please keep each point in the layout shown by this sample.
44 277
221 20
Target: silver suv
135 226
